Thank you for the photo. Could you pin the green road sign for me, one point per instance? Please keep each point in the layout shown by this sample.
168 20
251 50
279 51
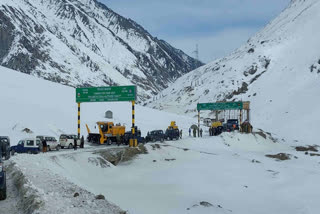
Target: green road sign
220 106
106 94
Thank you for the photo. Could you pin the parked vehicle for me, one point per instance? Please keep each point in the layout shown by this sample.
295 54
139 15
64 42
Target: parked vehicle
28 145
127 136
5 147
155 135
172 134
232 124
52 142
3 182
67 140
107 133
172 131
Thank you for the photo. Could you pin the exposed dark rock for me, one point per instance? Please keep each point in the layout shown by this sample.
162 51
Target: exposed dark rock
281 156
307 148
100 197
251 50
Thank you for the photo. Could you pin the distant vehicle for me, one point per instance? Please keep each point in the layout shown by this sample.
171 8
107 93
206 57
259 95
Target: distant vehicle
155 135
127 136
67 140
3 182
172 134
172 131
107 133
5 147
28 145
52 142
232 124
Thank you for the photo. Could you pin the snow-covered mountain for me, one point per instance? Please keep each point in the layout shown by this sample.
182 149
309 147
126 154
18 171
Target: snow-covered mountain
84 43
278 70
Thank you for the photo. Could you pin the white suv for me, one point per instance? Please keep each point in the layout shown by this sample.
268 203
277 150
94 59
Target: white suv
52 142
67 140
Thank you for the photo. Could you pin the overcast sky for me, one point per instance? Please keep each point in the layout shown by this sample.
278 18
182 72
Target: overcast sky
217 26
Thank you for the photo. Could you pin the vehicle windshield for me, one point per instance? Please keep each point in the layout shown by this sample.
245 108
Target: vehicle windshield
40 137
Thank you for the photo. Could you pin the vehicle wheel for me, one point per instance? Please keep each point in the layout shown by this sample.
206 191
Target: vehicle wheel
29 152
153 140
62 147
162 139
49 149
12 152
70 146
58 148
109 142
3 194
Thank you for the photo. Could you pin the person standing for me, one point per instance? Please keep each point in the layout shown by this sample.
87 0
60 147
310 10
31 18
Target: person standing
189 132
82 142
44 145
75 144
194 132
201 132
118 139
180 133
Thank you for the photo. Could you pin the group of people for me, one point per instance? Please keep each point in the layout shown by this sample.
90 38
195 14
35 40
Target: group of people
214 131
200 131
75 144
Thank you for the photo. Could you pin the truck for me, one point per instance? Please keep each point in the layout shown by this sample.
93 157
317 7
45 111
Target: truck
232 124
172 131
108 133
128 135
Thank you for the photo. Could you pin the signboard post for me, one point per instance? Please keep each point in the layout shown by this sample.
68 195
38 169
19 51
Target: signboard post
222 106
108 94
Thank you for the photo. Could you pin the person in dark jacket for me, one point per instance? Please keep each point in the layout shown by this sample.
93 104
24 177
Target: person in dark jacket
82 142
75 144
201 132
44 145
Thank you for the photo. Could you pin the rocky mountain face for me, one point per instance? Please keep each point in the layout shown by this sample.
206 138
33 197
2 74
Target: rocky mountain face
84 43
277 70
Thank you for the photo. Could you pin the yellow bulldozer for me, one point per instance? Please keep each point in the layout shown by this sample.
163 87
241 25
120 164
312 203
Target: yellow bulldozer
108 133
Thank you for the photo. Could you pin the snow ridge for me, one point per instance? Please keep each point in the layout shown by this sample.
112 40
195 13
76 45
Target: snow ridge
277 70
84 43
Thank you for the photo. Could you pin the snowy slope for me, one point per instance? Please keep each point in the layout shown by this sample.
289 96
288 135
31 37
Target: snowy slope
278 70
83 42
228 174
48 108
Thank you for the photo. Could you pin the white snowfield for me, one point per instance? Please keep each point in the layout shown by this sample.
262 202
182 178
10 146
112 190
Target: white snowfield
48 108
226 174
280 65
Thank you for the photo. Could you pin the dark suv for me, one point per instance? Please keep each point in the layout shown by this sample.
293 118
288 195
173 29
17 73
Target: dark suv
232 124
172 134
127 136
3 183
4 147
155 135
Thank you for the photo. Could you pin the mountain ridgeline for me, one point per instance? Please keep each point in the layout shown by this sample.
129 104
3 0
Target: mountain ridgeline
277 70
84 43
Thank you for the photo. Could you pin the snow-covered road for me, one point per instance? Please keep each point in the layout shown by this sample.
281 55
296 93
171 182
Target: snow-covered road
10 205
225 174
